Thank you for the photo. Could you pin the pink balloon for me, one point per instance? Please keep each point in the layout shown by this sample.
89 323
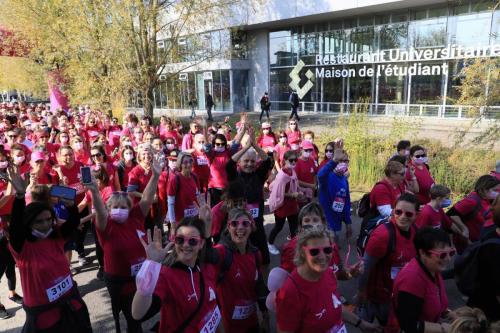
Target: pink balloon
276 278
271 301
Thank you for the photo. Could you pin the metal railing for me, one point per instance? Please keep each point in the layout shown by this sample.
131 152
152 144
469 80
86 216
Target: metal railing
420 110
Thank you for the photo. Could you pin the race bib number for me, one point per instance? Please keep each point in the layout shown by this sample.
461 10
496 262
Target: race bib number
93 133
243 311
338 329
253 209
395 272
134 269
60 288
213 322
202 161
338 205
190 212
116 133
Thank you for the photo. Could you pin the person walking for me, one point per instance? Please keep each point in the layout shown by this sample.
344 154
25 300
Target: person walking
265 105
192 105
209 104
294 102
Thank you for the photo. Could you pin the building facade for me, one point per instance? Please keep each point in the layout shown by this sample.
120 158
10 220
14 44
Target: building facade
396 57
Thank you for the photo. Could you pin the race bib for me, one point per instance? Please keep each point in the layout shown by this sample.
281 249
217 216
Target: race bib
338 329
93 133
213 322
243 311
338 205
134 269
190 212
60 288
116 133
78 187
201 161
395 272
254 210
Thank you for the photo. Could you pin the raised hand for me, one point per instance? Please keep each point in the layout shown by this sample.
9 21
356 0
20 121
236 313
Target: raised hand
154 248
16 180
158 164
339 153
203 206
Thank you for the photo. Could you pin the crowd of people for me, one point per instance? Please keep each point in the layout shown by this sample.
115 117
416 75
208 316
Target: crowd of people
177 217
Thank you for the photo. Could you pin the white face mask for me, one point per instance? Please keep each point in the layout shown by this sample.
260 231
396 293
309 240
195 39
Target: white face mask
420 160
63 139
19 159
170 146
492 195
282 140
306 154
295 146
172 165
119 215
128 157
199 146
219 149
4 164
78 146
41 235
329 155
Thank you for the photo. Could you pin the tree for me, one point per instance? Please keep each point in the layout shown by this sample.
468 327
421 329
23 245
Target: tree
107 49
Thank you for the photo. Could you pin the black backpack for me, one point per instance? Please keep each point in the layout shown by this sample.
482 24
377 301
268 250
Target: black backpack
466 267
228 261
364 206
366 231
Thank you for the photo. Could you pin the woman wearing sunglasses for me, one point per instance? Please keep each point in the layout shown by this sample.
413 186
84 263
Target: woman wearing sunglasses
419 170
419 301
99 160
280 149
181 278
293 133
283 200
330 147
240 287
120 227
309 300
389 248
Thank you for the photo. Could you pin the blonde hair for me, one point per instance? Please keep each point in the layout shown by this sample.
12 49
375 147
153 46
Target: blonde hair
305 235
119 198
472 320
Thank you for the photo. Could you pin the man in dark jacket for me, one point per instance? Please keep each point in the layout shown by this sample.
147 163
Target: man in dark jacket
265 105
209 104
294 103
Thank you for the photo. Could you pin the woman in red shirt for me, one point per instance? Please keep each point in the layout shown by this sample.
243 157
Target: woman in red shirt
330 146
125 164
100 160
417 168
309 300
51 298
120 228
388 249
267 139
280 149
419 300
283 199
183 282
293 133
81 153
240 287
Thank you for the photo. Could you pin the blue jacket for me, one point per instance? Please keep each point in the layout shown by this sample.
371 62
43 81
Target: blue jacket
334 189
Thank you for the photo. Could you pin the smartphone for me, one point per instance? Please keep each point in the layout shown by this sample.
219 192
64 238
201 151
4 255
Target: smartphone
63 192
86 175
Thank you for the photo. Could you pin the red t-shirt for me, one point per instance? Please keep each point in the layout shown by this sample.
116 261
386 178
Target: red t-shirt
303 306
288 254
218 218
114 134
280 151
73 175
290 205
496 175
201 168
218 175
106 193
45 276
138 178
474 224
429 217
293 136
425 182
7 208
413 279
123 251
93 132
83 157
237 293
306 170
179 300
381 278
110 170
267 141
185 196
386 194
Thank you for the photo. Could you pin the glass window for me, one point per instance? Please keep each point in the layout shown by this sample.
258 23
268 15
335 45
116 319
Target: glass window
391 89
359 88
455 78
334 42
226 90
426 89
361 40
470 30
333 89
426 33
217 90
157 97
240 90
382 19
365 21
280 51
393 36
399 17
279 81
280 34
238 44
308 48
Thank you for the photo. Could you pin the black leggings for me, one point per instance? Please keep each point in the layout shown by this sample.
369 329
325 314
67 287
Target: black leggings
259 240
99 253
81 234
7 265
262 113
280 222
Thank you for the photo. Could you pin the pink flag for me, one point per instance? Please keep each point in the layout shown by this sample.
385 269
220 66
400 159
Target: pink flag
58 100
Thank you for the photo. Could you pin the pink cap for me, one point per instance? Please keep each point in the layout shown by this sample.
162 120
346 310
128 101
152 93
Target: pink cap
37 156
307 145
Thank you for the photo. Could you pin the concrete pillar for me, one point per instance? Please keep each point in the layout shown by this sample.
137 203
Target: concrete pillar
258 76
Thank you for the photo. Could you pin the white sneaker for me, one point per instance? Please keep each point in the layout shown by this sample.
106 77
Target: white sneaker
273 249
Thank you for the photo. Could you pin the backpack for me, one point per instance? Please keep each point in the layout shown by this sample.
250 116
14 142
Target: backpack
364 206
366 231
228 261
473 212
466 267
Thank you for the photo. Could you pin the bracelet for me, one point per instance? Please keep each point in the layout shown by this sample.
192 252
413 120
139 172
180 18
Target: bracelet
358 322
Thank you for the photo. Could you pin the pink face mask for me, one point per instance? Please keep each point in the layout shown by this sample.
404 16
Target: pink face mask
341 168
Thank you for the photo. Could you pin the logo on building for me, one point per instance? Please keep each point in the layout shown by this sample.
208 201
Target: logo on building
295 76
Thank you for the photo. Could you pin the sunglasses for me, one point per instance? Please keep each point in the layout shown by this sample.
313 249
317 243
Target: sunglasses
308 150
443 254
219 144
192 241
96 155
235 224
344 161
293 123
314 251
329 150
292 160
421 155
399 212
12 136
282 137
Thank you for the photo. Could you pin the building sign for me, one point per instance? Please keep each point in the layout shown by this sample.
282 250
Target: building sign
207 75
183 76
393 62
